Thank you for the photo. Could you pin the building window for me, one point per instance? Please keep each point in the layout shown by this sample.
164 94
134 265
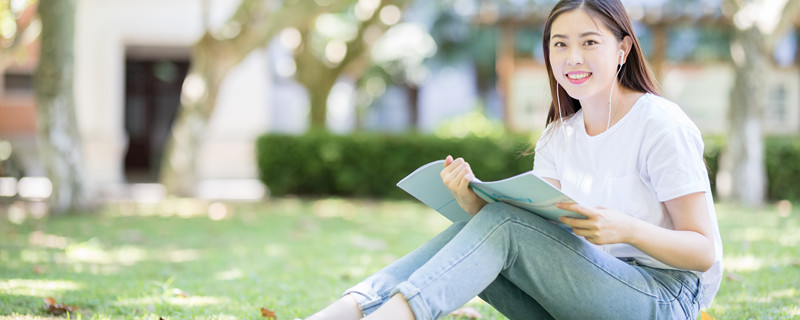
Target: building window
17 83
777 104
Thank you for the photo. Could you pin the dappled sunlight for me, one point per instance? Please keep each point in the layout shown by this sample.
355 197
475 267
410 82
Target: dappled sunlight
181 207
746 263
785 294
335 207
190 301
275 250
751 235
218 211
92 252
196 301
286 206
180 255
792 311
34 256
19 211
184 208
789 239
40 239
93 257
230 274
38 288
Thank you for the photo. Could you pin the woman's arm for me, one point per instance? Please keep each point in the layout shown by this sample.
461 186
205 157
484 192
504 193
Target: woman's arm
690 246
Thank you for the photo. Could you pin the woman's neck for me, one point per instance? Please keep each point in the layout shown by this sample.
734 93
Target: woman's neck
596 109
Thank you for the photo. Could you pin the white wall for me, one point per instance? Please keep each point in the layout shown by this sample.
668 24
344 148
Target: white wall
104 28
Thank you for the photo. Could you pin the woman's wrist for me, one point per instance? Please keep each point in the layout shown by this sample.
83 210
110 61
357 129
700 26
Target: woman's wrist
634 231
477 206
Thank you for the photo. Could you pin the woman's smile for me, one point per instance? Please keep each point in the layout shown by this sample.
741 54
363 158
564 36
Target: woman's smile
578 77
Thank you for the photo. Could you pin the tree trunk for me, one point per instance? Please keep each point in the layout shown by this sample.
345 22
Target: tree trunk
212 58
742 175
199 93
58 138
413 107
319 77
318 90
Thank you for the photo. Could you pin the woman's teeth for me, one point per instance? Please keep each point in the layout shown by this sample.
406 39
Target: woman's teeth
578 76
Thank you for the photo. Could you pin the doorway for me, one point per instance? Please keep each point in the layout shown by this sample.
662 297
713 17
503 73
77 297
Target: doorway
152 98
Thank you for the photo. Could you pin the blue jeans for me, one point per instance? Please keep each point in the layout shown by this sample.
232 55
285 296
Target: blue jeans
528 268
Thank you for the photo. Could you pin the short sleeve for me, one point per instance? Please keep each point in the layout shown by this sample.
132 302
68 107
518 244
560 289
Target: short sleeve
544 163
675 164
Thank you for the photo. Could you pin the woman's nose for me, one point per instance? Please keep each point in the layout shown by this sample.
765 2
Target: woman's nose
575 56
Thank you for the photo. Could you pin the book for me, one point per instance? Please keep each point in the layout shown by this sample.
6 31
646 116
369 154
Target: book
525 190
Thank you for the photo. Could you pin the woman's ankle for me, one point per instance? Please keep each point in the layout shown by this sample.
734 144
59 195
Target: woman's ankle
395 308
345 308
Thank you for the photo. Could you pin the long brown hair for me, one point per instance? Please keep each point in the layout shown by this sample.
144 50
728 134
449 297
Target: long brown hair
635 73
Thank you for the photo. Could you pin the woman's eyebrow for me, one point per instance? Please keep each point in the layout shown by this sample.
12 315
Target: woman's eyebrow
588 33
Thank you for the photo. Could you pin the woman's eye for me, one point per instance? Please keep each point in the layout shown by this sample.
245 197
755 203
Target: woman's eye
590 43
559 44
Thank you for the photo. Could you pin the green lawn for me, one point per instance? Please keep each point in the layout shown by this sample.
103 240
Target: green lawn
291 256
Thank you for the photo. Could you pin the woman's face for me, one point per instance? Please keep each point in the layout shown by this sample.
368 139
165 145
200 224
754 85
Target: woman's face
583 54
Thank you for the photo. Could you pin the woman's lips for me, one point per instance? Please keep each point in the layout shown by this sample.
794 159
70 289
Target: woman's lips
578 77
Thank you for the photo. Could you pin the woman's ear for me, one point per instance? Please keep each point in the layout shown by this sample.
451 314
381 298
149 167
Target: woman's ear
626 44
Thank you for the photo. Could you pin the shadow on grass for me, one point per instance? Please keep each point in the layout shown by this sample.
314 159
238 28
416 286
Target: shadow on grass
294 256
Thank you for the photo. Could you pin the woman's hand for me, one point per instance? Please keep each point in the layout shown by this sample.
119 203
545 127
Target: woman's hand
601 226
456 175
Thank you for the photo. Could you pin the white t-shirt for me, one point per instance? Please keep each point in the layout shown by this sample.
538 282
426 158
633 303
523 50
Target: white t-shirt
653 154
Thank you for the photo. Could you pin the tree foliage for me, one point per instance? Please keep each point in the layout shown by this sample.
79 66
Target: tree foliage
252 26
337 43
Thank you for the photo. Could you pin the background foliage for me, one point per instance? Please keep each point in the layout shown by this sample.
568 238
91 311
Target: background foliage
369 165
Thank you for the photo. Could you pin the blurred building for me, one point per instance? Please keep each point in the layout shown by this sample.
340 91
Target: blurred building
688 48
131 58
130 61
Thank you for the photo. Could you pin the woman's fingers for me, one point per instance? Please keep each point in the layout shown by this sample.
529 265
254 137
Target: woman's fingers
457 174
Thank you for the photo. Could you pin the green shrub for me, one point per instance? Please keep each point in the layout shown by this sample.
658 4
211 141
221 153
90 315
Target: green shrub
783 167
782 160
370 165
714 145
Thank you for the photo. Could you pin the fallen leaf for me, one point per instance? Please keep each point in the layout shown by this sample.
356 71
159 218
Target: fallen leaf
705 316
267 313
57 309
179 293
468 312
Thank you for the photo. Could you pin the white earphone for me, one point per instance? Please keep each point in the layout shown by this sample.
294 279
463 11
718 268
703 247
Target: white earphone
621 62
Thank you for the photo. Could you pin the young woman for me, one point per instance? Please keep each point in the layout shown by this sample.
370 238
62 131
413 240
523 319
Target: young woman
649 247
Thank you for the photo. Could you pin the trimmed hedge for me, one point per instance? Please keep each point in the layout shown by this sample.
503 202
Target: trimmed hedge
369 165
782 157
783 167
